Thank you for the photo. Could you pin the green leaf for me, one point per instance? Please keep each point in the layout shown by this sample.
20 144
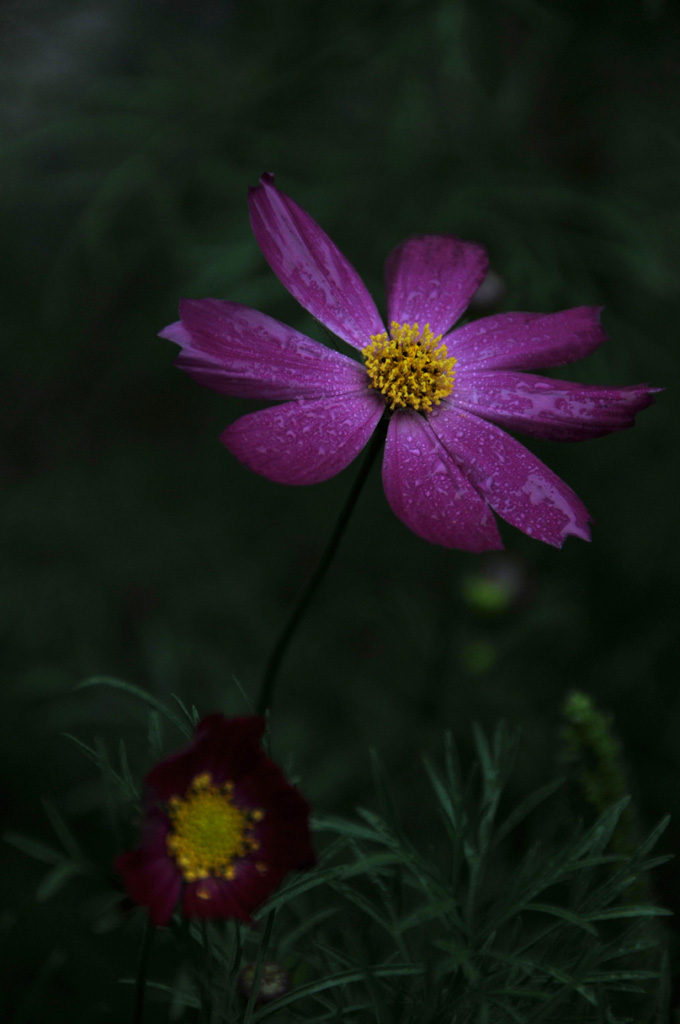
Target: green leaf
441 909
489 768
344 978
185 998
90 753
337 1012
365 866
632 911
55 879
247 699
39 851
381 783
63 832
125 774
442 795
523 993
562 912
663 1000
191 716
601 977
653 837
507 1008
524 809
135 691
308 924
599 834
154 733
364 904
383 832
655 862
329 823
452 766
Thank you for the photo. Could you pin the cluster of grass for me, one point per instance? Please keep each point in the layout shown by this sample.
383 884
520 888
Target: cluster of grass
391 926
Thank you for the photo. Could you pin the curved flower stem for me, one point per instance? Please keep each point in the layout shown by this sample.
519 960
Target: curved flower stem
281 646
142 965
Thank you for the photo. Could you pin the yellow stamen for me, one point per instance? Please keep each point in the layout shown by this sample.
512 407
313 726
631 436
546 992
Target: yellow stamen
410 367
209 831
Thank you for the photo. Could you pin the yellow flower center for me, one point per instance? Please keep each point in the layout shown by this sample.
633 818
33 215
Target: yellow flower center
410 367
209 832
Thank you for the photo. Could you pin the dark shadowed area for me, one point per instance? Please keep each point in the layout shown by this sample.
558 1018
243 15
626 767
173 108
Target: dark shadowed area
136 547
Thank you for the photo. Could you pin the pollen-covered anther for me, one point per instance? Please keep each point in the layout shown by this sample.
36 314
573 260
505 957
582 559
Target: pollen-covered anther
209 832
410 367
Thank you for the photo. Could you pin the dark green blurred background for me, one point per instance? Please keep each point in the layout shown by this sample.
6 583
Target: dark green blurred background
134 545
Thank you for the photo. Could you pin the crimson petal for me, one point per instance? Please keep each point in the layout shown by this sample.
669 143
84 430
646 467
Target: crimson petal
224 747
152 881
213 898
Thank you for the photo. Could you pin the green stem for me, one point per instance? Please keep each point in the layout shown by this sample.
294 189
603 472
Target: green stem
232 968
206 996
142 965
288 632
261 953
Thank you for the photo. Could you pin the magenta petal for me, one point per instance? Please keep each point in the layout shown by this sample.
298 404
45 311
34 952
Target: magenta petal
527 341
152 881
431 279
311 266
517 485
239 351
554 409
307 441
428 492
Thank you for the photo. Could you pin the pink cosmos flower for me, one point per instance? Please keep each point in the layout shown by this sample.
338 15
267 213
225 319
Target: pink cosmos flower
221 828
448 392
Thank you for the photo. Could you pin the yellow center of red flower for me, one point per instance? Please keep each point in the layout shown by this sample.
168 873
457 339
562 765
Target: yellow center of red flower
209 832
410 367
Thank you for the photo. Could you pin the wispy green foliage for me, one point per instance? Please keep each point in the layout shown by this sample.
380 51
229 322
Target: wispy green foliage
514 913
548 937
68 860
463 930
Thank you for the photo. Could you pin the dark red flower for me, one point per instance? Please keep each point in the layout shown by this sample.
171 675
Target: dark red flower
221 827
